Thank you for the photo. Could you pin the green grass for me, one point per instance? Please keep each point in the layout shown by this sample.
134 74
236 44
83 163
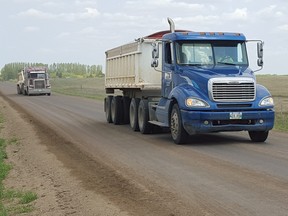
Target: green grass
278 86
12 202
84 87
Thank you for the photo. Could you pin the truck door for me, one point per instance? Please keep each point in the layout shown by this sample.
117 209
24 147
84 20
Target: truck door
167 81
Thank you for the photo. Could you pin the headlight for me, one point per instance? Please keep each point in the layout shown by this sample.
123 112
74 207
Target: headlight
194 102
268 101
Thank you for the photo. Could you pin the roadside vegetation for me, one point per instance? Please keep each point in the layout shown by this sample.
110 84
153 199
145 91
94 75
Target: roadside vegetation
82 87
61 70
12 202
278 86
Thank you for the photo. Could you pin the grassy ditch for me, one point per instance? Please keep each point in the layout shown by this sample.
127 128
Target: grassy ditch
94 88
84 87
12 202
278 86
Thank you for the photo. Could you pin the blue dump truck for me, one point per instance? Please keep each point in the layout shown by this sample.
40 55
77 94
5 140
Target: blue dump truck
188 82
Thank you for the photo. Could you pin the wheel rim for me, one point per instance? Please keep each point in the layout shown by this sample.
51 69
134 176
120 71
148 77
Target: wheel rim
174 125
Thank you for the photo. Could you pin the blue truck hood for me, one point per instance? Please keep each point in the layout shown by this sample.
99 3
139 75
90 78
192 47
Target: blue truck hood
198 76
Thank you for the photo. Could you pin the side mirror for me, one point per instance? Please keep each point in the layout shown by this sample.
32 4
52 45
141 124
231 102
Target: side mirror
155 55
154 63
155 50
260 53
260 62
260 49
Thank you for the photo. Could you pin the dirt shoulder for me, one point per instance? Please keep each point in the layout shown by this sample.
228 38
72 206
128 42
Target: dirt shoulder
70 182
38 170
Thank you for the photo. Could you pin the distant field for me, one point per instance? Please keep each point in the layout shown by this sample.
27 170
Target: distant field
278 86
94 88
84 87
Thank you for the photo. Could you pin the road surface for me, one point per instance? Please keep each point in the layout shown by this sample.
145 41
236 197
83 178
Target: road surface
214 174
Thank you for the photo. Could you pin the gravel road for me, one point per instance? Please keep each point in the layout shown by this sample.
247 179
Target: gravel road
115 171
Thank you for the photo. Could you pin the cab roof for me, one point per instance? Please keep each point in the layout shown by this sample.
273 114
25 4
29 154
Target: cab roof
191 35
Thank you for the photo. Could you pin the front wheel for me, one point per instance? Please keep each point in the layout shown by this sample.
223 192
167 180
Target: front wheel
258 136
178 133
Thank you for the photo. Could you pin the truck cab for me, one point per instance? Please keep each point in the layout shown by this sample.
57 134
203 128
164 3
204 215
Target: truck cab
34 81
208 86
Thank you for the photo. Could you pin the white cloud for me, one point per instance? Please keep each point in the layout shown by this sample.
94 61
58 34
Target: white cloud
31 29
150 5
88 13
267 11
88 30
63 35
283 27
238 14
36 13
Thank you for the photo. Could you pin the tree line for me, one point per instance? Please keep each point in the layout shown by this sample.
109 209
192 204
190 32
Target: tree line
61 70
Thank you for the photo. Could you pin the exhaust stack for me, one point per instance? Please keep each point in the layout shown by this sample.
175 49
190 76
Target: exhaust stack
172 25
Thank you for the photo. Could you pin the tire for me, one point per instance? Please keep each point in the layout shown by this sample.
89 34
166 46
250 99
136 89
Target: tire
126 105
178 133
22 89
143 117
18 90
117 110
107 108
258 136
133 114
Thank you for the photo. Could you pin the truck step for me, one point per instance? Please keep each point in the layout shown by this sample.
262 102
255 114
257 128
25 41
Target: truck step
154 106
161 124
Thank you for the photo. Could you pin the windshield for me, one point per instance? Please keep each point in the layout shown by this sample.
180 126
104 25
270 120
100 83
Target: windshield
37 75
211 53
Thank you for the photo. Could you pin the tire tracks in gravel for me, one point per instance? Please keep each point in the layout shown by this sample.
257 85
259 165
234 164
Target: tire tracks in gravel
96 176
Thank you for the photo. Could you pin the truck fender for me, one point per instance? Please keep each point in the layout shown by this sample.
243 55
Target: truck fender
180 93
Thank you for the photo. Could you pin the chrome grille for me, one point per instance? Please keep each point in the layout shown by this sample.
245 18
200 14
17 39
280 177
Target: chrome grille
232 89
39 84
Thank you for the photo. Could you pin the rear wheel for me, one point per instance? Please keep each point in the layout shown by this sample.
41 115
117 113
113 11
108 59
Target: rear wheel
178 133
126 105
18 90
133 114
143 117
107 108
117 110
258 136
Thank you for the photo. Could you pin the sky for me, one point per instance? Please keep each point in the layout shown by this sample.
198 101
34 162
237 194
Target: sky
80 31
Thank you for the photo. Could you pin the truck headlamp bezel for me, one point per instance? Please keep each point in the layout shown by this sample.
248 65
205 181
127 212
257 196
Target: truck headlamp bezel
267 101
196 102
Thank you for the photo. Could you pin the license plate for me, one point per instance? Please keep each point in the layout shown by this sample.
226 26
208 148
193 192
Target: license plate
235 115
